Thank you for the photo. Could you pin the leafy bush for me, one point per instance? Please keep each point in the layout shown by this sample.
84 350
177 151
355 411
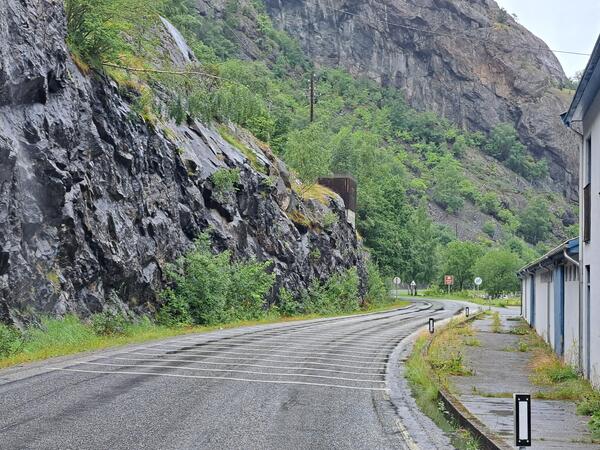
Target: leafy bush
97 29
109 323
336 296
11 340
489 228
377 292
288 306
594 425
211 288
224 180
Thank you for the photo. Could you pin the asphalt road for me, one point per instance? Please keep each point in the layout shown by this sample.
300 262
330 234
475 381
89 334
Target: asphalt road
326 384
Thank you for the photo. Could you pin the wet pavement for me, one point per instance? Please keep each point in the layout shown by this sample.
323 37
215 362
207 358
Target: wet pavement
500 372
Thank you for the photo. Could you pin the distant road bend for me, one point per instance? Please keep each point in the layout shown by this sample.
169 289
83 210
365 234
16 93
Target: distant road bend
329 383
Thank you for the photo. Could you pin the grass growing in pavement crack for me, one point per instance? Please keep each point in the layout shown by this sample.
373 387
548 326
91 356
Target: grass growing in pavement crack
428 368
496 323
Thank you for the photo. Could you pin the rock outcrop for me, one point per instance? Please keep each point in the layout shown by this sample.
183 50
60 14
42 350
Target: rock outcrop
465 59
94 201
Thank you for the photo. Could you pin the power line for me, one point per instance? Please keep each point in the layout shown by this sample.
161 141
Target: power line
453 34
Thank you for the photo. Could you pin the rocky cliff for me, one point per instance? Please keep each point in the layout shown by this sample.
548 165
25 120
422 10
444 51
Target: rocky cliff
94 201
465 59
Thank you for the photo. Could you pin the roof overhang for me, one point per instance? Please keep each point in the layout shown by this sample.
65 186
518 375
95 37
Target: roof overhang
586 91
556 254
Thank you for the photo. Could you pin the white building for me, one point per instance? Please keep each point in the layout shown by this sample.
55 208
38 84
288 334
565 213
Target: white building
583 117
550 299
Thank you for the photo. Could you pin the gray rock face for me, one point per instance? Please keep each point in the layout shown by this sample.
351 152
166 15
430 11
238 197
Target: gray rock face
94 202
476 66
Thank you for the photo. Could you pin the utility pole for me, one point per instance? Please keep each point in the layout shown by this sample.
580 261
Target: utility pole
312 97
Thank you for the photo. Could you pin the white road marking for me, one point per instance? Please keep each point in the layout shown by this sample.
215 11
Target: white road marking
262 366
211 354
201 377
199 369
270 360
253 352
260 347
291 340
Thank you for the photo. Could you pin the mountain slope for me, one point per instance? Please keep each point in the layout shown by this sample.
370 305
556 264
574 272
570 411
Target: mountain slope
474 64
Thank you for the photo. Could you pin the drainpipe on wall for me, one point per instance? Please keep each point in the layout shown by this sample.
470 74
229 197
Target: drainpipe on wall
581 251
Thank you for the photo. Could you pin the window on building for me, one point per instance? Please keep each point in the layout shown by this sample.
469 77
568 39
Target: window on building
588 161
587 192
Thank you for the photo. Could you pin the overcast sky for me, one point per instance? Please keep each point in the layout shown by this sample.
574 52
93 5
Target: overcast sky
572 25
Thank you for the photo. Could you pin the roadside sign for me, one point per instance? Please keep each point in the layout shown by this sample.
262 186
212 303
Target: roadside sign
449 280
478 281
413 284
522 420
397 281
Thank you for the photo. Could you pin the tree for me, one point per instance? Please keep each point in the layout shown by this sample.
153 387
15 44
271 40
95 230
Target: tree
308 153
498 269
535 221
421 254
447 176
459 261
503 139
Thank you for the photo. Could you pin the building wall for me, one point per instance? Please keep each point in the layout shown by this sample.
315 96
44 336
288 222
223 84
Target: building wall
525 298
571 340
541 304
591 251
546 312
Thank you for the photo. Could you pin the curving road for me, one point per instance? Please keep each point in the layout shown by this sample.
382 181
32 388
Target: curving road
329 383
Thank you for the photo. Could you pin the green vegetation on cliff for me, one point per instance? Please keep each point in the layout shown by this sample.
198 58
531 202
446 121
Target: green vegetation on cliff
410 165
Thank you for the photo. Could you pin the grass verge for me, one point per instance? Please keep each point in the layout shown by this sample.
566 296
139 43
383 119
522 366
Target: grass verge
558 380
69 335
428 368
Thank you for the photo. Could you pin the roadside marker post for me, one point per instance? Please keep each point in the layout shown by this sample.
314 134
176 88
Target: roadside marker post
522 420
397 283
467 311
432 325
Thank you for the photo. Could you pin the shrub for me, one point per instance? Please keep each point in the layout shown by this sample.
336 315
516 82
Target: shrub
329 219
224 180
595 425
489 228
11 340
489 203
377 292
175 310
211 289
288 305
109 323
338 295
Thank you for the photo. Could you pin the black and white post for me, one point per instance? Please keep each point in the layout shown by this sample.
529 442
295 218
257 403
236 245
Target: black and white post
522 420
432 325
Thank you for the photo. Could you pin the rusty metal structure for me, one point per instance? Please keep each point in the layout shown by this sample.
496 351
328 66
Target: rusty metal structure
343 185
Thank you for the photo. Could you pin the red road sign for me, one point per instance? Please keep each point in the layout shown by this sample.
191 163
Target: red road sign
449 280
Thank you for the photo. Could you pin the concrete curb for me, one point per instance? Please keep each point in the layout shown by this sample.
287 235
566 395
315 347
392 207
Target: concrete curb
487 438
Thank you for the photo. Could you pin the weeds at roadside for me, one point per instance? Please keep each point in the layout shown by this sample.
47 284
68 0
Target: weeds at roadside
496 323
560 381
425 384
